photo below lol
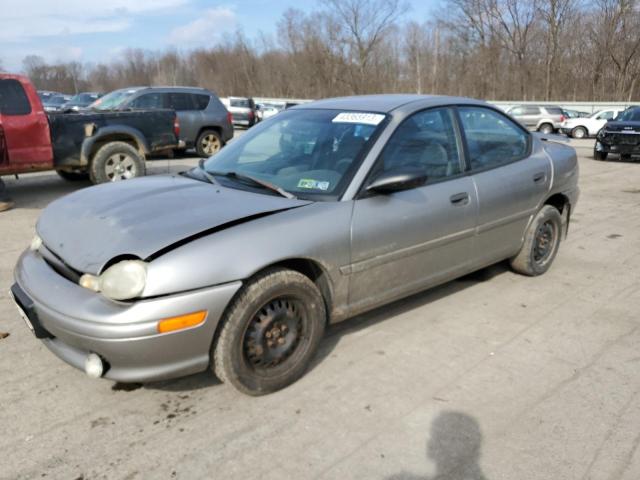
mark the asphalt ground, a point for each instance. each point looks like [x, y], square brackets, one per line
[492, 376]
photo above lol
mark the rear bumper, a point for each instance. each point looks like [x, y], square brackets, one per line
[123, 334]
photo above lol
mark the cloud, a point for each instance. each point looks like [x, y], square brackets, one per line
[211, 24]
[39, 18]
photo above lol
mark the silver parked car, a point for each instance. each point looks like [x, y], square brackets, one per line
[319, 213]
[542, 118]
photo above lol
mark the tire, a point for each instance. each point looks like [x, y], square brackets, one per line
[116, 161]
[73, 176]
[546, 128]
[209, 143]
[278, 305]
[625, 157]
[579, 132]
[541, 243]
[598, 155]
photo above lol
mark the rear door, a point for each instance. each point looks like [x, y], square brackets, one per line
[405, 241]
[26, 130]
[511, 179]
[190, 118]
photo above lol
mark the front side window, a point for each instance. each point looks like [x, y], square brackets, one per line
[180, 101]
[310, 153]
[13, 99]
[426, 142]
[607, 115]
[492, 139]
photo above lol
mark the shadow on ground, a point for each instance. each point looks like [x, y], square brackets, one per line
[453, 446]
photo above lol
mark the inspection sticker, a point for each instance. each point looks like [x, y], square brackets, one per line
[359, 117]
[311, 184]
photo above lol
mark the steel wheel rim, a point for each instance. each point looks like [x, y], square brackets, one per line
[120, 166]
[210, 144]
[544, 242]
[274, 333]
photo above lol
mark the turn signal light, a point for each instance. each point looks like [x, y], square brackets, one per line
[181, 322]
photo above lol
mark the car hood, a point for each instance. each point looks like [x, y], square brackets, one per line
[628, 127]
[142, 217]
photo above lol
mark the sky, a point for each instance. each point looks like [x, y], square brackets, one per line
[92, 31]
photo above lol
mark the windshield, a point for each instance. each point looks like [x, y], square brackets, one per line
[309, 153]
[83, 98]
[112, 100]
[630, 115]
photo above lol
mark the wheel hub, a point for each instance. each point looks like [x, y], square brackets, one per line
[543, 243]
[274, 333]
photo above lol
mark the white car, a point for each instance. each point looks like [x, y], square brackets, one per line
[588, 126]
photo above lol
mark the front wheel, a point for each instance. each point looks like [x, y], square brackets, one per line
[116, 161]
[541, 243]
[270, 332]
[599, 155]
[72, 176]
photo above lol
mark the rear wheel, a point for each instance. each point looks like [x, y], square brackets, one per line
[73, 176]
[541, 243]
[270, 332]
[579, 132]
[546, 128]
[116, 161]
[208, 143]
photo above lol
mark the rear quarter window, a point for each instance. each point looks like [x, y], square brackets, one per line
[13, 98]
[200, 101]
[554, 111]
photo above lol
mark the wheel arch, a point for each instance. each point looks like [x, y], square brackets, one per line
[91, 145]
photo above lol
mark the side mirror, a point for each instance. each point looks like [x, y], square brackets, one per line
[389, 182]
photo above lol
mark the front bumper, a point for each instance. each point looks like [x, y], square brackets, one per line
[621, 148]
[123, 334]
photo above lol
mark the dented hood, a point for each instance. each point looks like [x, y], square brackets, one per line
[141, 217]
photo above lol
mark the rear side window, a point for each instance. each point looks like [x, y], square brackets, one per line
[180, 101]
[148, 100]
[13, 99]
[492, 139]
[200, 101]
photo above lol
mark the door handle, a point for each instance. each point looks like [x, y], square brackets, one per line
[459, 198]
[539, 177]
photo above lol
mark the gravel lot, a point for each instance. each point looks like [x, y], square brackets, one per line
[495, 374]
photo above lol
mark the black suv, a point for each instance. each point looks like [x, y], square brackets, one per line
[205, 123]
[620, 135]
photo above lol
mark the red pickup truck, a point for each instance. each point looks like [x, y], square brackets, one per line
[105, 146]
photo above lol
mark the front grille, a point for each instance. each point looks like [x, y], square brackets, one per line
[57, 264]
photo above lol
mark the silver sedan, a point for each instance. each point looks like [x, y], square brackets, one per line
[317, 214]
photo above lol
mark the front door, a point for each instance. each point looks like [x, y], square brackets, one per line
[406, 241]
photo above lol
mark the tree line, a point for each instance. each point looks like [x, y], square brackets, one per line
[571, 50]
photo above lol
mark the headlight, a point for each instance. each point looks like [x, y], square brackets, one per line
[121, 281]
[36, 243]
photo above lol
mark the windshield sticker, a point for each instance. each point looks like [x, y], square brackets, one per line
[358, 117]
[311, 184]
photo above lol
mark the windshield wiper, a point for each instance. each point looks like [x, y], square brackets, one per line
[255, 181]
[210, 178]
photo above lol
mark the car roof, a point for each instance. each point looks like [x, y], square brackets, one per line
[385, 103]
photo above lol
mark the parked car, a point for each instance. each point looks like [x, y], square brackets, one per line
[54, 103]
[620, 135]
[101, 146]
[589, 126]
[264, 111]
[205, 124]
[45, 94]
[575, 113]
[81, 101]
[323, 212]
[243, 111]
[543, 118]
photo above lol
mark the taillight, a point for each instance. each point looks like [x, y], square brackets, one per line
[251, 114]
[176, 127]
[229, 117]
[562, 118]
